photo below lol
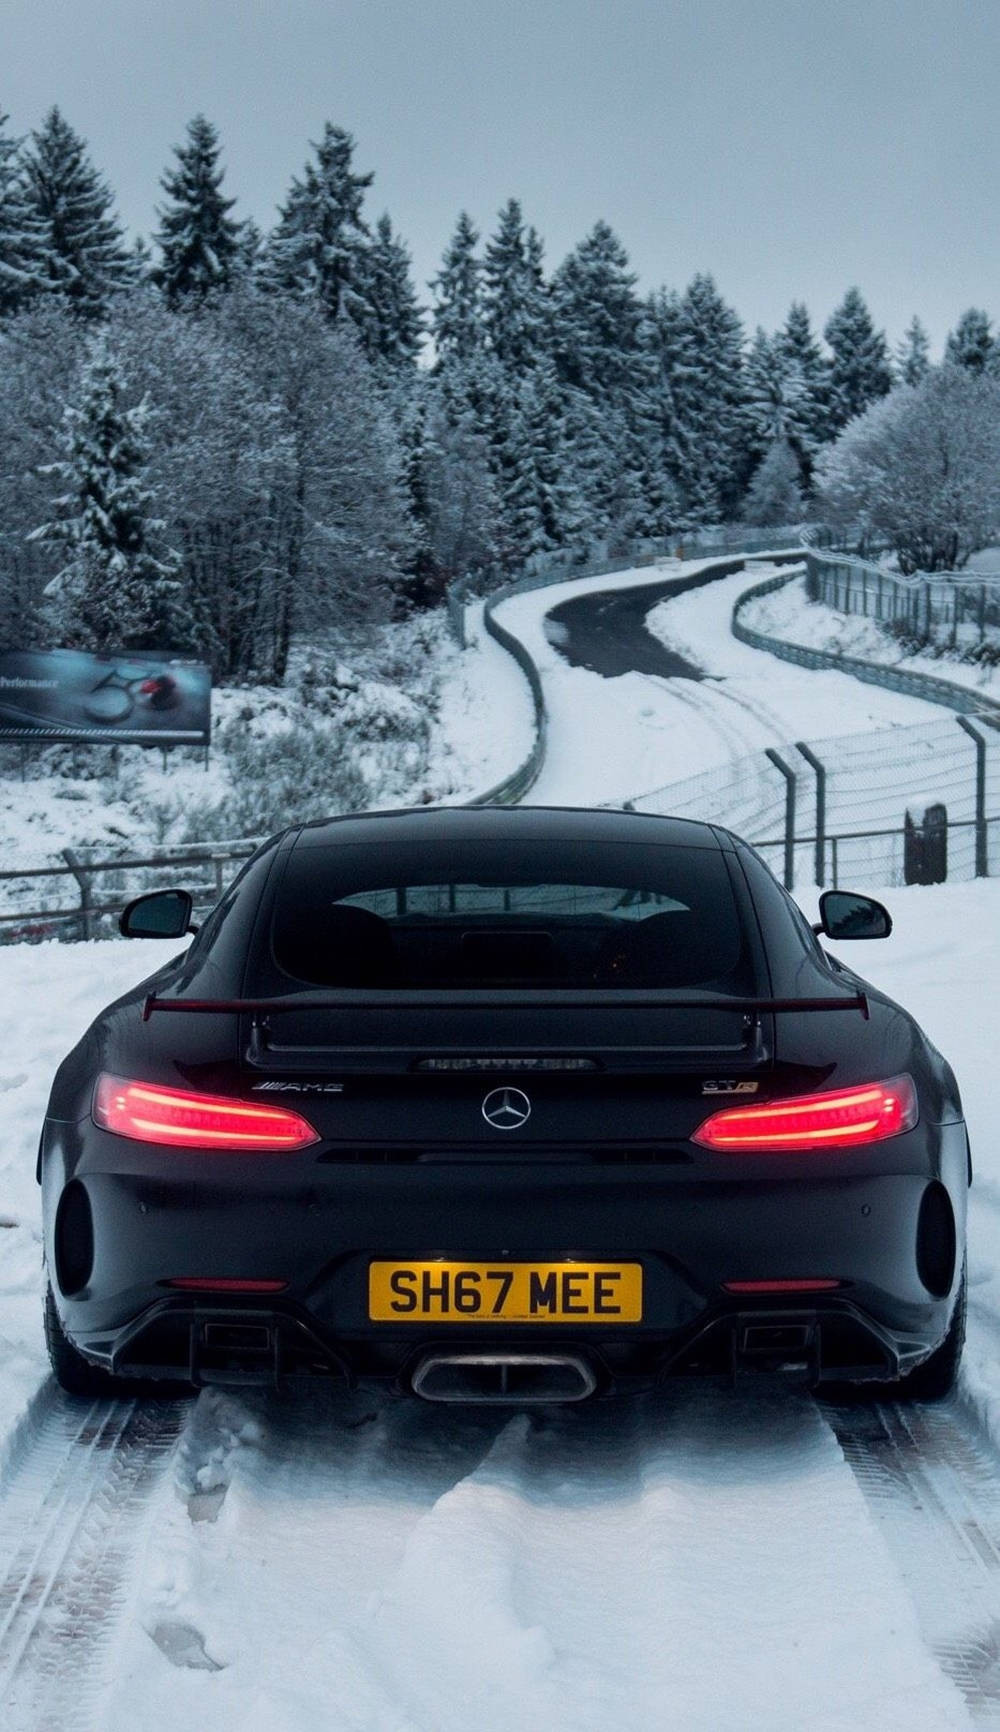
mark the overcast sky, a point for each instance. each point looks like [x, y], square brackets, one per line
[790, 147]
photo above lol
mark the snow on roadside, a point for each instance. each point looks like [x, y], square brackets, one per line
[424, 722]
[609, 739]
[788, 613]
[49, 994]
[485, 722]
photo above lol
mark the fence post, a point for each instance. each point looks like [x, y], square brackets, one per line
[820, 774]
[789, 775]
[82, 876]
[982, 851]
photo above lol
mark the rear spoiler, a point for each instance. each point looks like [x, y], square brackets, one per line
[387, 999]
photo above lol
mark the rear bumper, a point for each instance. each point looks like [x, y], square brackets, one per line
[231, 1345]
[316, 1227]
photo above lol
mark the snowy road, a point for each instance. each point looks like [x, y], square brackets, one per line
[614, 734]
[702, 1560]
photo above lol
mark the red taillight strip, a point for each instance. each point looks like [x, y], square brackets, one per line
[842, 1118]
[224, 1284]
[151, 1113]
[818, 1286]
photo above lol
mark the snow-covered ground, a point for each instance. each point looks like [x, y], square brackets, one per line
[610, 739]
[703, 1561]
[422, 720]
[789, 614]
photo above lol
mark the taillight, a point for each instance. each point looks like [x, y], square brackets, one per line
[842, 1119]
[149, 1113]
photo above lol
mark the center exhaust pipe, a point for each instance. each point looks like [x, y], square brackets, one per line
[512, 1379]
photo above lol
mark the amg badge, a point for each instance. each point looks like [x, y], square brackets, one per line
[297, 1088]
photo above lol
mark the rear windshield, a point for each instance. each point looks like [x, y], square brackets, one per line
[526, 915]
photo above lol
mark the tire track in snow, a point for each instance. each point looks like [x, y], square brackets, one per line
[933, 1483]
[74, 1482]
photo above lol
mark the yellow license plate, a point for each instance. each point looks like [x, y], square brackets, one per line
[446, 1292]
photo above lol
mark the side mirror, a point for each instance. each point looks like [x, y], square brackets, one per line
[159, 914]
[845, 914]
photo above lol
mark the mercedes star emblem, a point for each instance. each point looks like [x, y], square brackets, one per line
[506, 1109]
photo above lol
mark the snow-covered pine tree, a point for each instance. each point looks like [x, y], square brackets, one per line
[456, 317]
[249, 252]
[710, 403]
[83, 255]
[777, 403]
[20, 230]
[662, 335]
[393, 327]
[114, 590]
[972, 343]
[596, 318]
[198, 239]
[774, 496]
[860, 372]
[801, 347]
[913, 354]
[514, 292]
[596, 325]
[317, 246]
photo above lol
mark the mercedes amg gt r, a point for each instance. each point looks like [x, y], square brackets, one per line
[505, 1105]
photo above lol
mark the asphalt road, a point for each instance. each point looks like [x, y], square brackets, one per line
[606, 630]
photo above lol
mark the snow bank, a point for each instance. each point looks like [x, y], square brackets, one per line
[788, 613]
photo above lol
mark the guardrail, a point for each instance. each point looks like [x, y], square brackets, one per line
[522, 779]
[945, 778]
[85, 919]
[934, 690]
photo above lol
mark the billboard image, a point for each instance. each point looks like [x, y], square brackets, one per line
[134, 697]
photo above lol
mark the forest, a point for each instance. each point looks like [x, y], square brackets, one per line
[219, 439]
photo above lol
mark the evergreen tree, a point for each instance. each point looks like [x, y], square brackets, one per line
[83, 254]
[596, 319]
[317, 248]
[20, 231]
[249, 252]
[664, 340]
[198, 239]
[972, 343]
[112, 590]
[860, 371]
[710, 403]
[776, 397]
[913, 354]
[514, 293]
[801, 348]
[457, 310]
[774, 496]
[393, 325]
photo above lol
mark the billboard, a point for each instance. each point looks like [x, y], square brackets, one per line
[132, 697]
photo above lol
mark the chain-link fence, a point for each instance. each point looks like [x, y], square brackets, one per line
[859, 808]
[952, 611]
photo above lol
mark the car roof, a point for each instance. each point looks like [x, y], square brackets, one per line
[570, 824]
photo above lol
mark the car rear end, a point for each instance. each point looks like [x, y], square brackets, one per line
[513, 1077]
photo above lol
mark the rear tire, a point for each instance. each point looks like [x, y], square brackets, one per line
[78, 1376]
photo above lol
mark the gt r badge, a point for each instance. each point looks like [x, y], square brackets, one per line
[506, 1109]
[729, 1088]
[295, 1088]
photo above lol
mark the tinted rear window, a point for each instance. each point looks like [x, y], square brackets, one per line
[530, 915]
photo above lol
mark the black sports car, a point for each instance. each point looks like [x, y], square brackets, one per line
[505, 1105]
